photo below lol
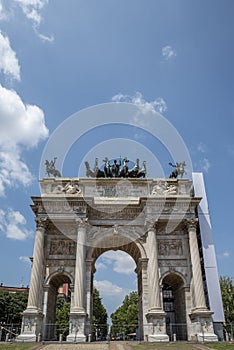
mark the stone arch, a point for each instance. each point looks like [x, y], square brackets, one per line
[55, 280]
[136, 250]
[133, 248]
[174, 304]
[59, 273]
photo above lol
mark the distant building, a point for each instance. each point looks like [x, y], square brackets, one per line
[9, 289]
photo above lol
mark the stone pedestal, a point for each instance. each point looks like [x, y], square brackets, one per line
[157, 326]
[202, 325]
[31, 326]
[77, 327]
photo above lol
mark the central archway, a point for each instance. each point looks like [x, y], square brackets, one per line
[137, 253]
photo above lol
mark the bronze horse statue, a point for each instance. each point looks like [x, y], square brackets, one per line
[179, 170]
[50, 168]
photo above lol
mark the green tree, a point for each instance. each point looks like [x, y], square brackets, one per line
[227, 291]
[12, 306]
[62, 316]
[99, 318]
[125, 318]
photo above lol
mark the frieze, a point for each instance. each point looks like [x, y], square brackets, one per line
[172, 263]
[55, 263]
[62, 229]
[107, 212]
[62, 247]
[132, 233]
[170, 247]
[64, 207]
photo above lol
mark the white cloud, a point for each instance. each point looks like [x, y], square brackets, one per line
[122, 262]
[112, 294]
[157, 105]
[201, 147]
[14, 225]
[22, 127]
[205, 165]
[226, 254]
[25, 259]
[32, 9]
[107, 288]
[168, 52]
[20, 123]
[45, 38]
[9, 64]
[100, 265]
[3, 13]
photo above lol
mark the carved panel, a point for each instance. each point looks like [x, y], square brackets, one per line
[62, 247]
[170, 247]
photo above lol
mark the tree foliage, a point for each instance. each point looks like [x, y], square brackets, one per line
[227, 290]
[62, 316]
[12, 306]
[99, 319]
[125, 318]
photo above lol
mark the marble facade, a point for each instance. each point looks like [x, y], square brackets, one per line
[153, 220]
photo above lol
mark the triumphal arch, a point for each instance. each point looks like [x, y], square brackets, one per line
[154, 220]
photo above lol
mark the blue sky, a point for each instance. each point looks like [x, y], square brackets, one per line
[58, 57]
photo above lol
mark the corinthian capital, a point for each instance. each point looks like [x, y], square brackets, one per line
[82, 222]
[41, 222]
[150, 223]
[191, 224]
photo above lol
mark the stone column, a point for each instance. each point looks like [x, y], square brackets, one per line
[198, 288]
[89, 265]
[141, 271]
[32, 316]
[37, 266]
[78, 313]
[154, 300]
[155, 315]
[201, 317]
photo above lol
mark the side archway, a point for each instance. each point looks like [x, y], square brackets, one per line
[174, 305]
[54, 282]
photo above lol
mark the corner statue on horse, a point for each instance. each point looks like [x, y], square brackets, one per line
[50, 168]
[179, 170]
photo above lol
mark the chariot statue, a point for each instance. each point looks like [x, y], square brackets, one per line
[117, 169]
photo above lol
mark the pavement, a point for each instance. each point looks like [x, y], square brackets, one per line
[101, 346]
[93, 346]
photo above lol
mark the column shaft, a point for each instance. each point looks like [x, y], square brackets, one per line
[155, 302]
[37, 266]
[80, 268]
[198, 289]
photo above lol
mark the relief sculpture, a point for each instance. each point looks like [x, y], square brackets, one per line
[170, 247]
[62, 247]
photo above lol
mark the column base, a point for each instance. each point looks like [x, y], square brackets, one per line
[31, 329]
[156, 326]
[206, 337]
[77, 327]
[202, 324]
